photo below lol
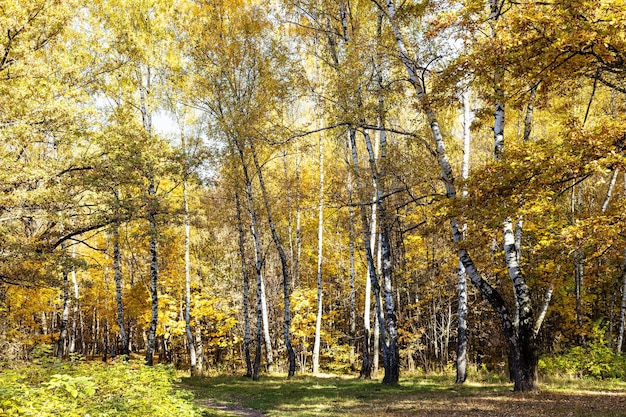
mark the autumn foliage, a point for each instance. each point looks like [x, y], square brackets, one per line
[329, 136]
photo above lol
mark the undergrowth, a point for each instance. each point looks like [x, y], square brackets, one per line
[50, 388]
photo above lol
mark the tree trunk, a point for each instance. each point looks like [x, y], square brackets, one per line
[260, 293]
[154, 274]
[461, 350]
[188, 332]
[146, 118]
[75, 309]
[498, 127]
[544, 308]
[578, 263]
[372, 280]
[199, 351]
[320, 253]
[525, 373]
[622, 311]
[284, 268]
[391, 355]
[246, 289]
[117, 272]
[376, 340]
[524, 356]
[495, 7]
[609, 191]
[353, 277]
[65, 313]
[528, 119]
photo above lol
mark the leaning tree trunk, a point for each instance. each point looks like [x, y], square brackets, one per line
[285, 269]
[524, 356]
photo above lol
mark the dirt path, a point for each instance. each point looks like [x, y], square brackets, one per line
[230, 408]
[234, 409]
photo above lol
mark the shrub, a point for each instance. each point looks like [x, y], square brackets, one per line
[50, 388]
[597, 360]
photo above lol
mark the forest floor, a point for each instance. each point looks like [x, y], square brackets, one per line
[422, 396]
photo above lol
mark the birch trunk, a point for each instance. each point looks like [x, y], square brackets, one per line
[544, 308]
[262, 319]
[622, 313]
[199, 351]
[284, 269]
[376, 340]
[524, 356]
[269, 354]
[495, 8]
[373, 233]
[609, 191]
[353, 277]
[246, 289]
[146, 118]
[371, 280]
[461, 351]
[498, 127]
[190, 340]
[461, 357]
[258, 264]
[154, 274]
[65, 313]
[391, 355]
[528, 119]
[117, 272]
[320, 248]
[578, 264]
[74, 335]
[296, 269]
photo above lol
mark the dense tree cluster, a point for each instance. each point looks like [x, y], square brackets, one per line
[326, 185]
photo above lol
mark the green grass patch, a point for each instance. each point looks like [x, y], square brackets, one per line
[433, 395]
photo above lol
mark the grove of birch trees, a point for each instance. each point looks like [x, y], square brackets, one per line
[331, 186]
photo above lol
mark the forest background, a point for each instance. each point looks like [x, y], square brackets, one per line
[333, 175]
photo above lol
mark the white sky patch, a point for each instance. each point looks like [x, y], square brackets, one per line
[164, 124]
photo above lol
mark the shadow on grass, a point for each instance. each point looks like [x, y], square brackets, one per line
[415, 396]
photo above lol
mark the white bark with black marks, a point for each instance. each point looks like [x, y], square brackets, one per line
[320, 254]
[188, 331]
[284, 269]
[372, 279]
[258, 265]
[117, 273]
[246, 288]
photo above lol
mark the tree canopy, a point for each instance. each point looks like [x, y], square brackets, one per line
[183, 177]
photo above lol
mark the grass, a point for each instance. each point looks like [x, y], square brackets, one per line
[430, 396]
